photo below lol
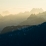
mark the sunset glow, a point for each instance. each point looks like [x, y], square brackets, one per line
[16, 6]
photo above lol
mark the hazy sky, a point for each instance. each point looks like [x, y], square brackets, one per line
[16, 6]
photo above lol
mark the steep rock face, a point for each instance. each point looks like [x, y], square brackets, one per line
[30, 36]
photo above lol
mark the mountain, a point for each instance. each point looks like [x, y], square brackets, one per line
[36, 10]
[43, 15]
[30, 36]
[14, 20]
[13, 28]
[33, 20]
[1, 16]
[11, 20]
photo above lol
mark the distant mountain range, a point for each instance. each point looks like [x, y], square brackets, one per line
[29, 36]
[14, 20]
[33, 20]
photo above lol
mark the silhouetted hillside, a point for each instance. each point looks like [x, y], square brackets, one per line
[13, 28]
[30, 36]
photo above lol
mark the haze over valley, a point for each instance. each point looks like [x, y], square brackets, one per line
[22, 22]
[13, 20]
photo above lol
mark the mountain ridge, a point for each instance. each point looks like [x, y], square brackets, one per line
[30, 36]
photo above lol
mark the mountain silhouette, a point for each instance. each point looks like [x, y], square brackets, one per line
[43, 15]
[29, 36]
[13, 28]
[33, 20]
[11, 20]
[36, 10]
[14, 20]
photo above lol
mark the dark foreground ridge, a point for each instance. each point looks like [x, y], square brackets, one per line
[30, 36]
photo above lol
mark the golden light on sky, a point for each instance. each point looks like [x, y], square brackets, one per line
[16, 6]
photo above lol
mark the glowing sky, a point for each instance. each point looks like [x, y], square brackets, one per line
[16, 6]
